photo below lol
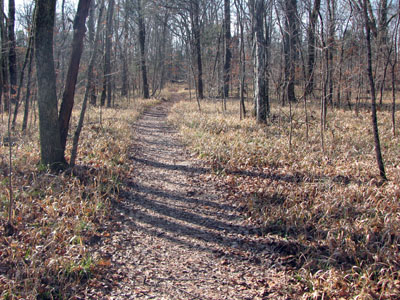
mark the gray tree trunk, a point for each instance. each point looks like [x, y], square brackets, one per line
[228, 54]
[374, 118]
[51, 151]
[73, 69]
[142, 44]
[258, 12]
[289, 46]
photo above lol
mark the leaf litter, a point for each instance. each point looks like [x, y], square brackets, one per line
[180, 236]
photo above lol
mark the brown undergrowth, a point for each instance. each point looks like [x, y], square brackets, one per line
[341, 223]
[59, 217]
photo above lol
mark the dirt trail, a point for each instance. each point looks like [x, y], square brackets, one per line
[178, 236]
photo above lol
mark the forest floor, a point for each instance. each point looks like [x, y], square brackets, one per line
[177, 235]
[167, 202]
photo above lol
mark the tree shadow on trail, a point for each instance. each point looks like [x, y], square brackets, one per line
[213, 233]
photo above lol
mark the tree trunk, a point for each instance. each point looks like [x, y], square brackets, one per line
[21, 79]
[142, 44]
[12, 55]
[311, 46]
[195, 20]
[330, 47]
[289, 42]
[91, 30]
[107, 57]
[89, 84]
[51, 151]
[258, 11]
[73, 68]
[228, 54]
[374, 119]
[28, 91]
[242, 59]
[2, 61]
[124, 54]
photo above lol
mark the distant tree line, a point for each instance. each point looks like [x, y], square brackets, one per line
[273, 52]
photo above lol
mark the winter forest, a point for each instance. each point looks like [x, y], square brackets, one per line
[199, 149]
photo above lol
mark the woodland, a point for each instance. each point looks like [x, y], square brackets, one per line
[199, 149]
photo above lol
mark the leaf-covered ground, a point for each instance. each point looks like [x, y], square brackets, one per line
[326, 202]
[61, 217]
[142, 217]
[179, 236]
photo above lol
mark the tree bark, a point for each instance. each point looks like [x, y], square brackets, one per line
[330, 47]
[228, 54]
[242, 58]
[195, 20]
[3, 61]
[21, 79]
[289, 42]
[258, 11]
[374, 118]
[124, 54]
[12, 55]
[73, 69]
[91, 30]
[311, 46]
[142, 44]
[107, 86]
[89, 85]
[51, 151]
[28, 91]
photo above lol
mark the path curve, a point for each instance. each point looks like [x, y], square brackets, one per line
[179, 238]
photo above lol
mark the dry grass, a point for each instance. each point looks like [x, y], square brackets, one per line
[342, 223]
[58, 217]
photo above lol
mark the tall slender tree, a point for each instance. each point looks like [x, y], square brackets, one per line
[142, 44]
[73, 68]
[228, 53]
[257, 10]
[196, 38]
[290, 46]
[374, 119]
[12, 54]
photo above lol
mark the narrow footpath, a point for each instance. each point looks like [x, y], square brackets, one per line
[178, 237]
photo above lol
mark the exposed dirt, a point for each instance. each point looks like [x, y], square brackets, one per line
[177, 236]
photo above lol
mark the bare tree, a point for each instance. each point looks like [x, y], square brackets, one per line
[12, 55]
[51, 150]
[257, 10]
[142, 44]
[289, 46]
[228, 54]
[107, 85]
[367, 25]
[195, 24]
[72, 74]
[89, 85]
